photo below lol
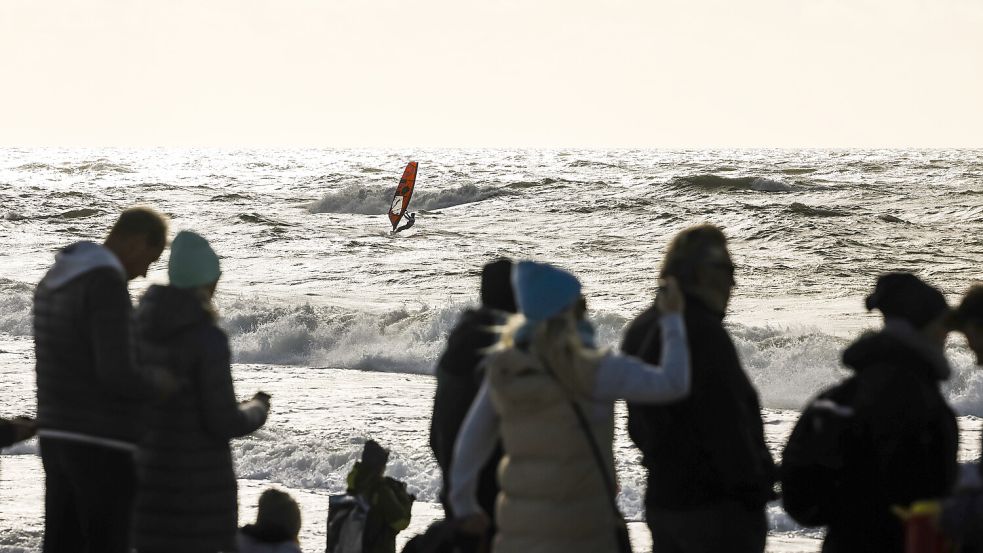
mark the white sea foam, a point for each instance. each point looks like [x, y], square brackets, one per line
[401, 340]
[787, 364]
[374, 200]
[763, 184]
[16, 299]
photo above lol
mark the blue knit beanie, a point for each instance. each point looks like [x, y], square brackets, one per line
[193, 263]
[543, 291]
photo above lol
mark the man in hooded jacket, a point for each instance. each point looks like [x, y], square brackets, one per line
[90, 390]
[903, 443]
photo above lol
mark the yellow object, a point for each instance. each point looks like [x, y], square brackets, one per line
[927, 507]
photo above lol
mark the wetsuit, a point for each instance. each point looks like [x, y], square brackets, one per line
[410, 220]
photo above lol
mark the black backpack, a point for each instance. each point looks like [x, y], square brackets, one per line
[347, 517]
[813, 463]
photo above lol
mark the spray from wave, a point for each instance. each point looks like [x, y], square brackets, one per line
[375, 200]
[787, 364]
[97, 167]
[16, 300]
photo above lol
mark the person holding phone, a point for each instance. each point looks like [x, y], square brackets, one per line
[187, 498]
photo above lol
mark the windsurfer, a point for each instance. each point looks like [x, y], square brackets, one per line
[410, 220]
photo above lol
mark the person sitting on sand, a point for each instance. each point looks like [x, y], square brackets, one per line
[277, 525]
[410, 221]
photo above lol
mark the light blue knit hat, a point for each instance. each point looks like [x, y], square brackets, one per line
[193, 263]
[543, 291]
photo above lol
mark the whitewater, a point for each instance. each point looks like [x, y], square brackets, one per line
[342, 322]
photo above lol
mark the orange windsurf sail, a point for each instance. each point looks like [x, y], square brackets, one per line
[401, 199]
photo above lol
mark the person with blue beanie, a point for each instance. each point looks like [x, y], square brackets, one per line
[549, 397]
[188, 498]
[193, 263]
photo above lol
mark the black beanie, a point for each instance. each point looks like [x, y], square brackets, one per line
[970, 310]
[496, 286]
[374, 455]
[905, 296]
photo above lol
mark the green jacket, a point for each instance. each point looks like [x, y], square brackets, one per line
[389, 507]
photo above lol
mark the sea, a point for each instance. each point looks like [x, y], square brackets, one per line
[343, 322]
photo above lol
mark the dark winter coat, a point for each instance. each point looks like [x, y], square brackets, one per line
[187, 500]
[88, 383]
[709, 447]
[459, 377]
[904, 444]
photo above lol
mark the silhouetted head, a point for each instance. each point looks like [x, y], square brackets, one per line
[905, 296]
[496, 286]
[699, 260]
[137, 239]
[968, 319]
[374, 456]
[278, 515]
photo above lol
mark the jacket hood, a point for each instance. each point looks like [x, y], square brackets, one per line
[165, 311]
[475, 331]
[362, 479]
[77, 259]
[475, 324]
[899, 344]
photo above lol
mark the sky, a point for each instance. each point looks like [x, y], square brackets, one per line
[492, 73]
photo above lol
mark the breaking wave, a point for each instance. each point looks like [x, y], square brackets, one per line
[716, 182]
[375, 200]
[16, 300]
[811, 211]
[97, 166]
[788, 364]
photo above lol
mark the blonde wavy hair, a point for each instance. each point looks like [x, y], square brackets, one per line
[206, 295]
[558, 346]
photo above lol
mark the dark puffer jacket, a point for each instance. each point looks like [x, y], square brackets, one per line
[187, 500]
[709, 447]
[905, 441]
[87, 380]
[458, 380]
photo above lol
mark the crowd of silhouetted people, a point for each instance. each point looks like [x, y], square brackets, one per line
[136, 408]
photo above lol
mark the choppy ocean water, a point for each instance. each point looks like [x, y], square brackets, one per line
[313, 282]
